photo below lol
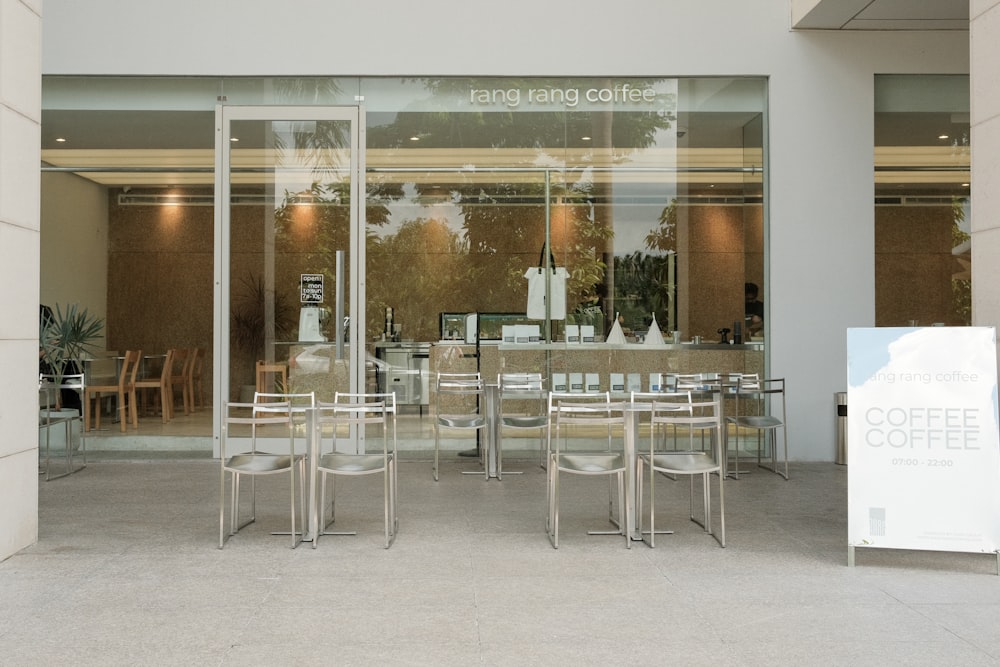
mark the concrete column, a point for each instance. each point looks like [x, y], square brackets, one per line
[20, 121]
[984, 38]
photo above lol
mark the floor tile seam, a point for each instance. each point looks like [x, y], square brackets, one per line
[921, 608]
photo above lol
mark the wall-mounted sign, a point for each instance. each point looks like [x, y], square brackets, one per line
[923, 439]
[311, 288]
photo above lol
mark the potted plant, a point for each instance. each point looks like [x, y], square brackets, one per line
[65, 338]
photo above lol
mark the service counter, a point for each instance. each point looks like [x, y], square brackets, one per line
[408, 368]
[557, 360]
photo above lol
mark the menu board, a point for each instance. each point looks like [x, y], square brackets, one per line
[923, 439]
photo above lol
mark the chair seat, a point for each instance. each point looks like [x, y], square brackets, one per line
[756, 421]
[462, 421]
[683, 462]
[260, 463]
[525, 421]
[591, 463]
[352, 463]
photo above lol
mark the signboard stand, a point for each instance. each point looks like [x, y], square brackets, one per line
[923, 440]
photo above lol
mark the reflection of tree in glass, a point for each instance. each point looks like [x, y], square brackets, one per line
[504, 219]
[961, 287]
[423, 269]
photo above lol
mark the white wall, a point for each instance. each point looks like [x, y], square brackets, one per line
[20, 115]
[74, 243]
[821, 111]
[985, 50]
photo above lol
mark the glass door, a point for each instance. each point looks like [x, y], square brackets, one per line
[289, 251]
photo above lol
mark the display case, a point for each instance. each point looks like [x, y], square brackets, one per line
[468, 327]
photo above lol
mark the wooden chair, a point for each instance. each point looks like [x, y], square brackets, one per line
[196, 387]
[180, 376]
[278, 370]
[125, 390]
[146, 386]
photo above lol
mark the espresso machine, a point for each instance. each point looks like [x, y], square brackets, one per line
[311, 320]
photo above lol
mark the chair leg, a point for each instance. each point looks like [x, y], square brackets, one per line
[386, 487]
[652, 506]
[553, 518]
[222, 507]
[437, 446]
[623, 510]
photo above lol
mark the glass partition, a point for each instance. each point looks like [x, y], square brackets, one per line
[923, 253]
[648, 192]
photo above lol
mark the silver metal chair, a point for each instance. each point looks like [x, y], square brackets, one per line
[353, 412]
[577, 461]
[522, 407]
[665, 397]
[703, 416]
[769, 396]
[555, 397]
[51, 386]
[458, 401]
[239, 459]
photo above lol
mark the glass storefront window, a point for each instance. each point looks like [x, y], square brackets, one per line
[648, 192]
[922, 249]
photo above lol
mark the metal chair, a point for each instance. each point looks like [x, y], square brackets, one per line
[458, 399]
[703, 416]
[770, 396]
[51, 386]
[354, 412]
[522, 407]
[576, 461]
[252, 462]
[681, 399]
[555, 397]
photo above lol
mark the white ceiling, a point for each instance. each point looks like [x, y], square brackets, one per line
[880, 14]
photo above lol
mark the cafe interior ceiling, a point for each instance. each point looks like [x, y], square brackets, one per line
[917, 153]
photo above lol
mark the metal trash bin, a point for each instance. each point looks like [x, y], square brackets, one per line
[841, 401]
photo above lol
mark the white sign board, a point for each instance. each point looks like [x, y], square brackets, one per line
[923, 439]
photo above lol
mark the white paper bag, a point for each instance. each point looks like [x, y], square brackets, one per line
[536, 276]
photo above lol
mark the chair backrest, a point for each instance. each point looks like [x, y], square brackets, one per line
[180, 361]
[359, 410]
[255, 415]
[520, 382]
[76, 381]
[660, 396]
[166, 370]
[130, 367]
[458, 392]
[459, 383]
[198, 361]
[768, 392]
[696, 415]
[576, 397]
[522, 393]
[743, 381]
[570, 412]
[299, 402]
[277, 369]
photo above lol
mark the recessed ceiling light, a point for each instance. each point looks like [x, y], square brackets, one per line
[60, 140]
[234, 139]
[414, 138]
[965, 185]
[584, 138]
[943, 136]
